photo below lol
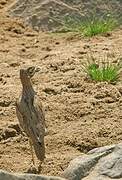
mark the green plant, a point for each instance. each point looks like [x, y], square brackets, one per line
[98, 26]
[104, 71]
[90, 26]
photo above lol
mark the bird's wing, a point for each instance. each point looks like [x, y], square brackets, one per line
[19, 115]
[23, 120]
[41, 114]
[27, 124]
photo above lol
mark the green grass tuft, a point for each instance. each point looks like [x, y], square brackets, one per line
[90, 27]
[105, 71]
[98, 26]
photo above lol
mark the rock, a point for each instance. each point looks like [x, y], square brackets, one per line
[47, 19]
[9, 132]
[55, 14]
[32, 170]
[99, 164]
[16, 127]
[10, 176]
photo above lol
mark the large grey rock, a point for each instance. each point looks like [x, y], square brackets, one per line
[9, 176]
[99, 164]
[53, 14]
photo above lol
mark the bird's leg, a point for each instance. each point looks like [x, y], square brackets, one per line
[31, 146]
[40, 167]
[32, 169]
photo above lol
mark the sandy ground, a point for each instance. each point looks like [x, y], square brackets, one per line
[80, 114]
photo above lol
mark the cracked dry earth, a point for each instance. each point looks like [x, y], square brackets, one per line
[80, 114]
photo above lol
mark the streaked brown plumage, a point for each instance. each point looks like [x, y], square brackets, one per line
[30, 113]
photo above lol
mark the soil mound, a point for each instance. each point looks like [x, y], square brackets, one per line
[50, 14]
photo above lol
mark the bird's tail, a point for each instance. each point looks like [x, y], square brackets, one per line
[39, 148]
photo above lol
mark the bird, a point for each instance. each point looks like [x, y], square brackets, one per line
[30, 114]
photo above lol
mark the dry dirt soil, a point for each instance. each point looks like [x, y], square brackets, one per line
[80, 114]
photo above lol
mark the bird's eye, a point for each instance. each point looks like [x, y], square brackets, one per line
[31, 71]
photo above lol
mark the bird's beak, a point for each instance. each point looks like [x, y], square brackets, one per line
[37, 69]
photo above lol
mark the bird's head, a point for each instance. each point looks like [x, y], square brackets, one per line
[32, 70]
[29, 72]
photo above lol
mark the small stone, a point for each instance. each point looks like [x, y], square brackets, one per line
[15, 126]
[32, 170]
[9, 132]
